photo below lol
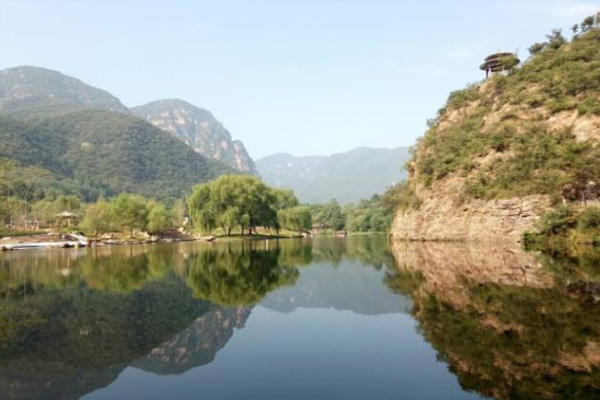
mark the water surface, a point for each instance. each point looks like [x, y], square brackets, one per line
[325, 318]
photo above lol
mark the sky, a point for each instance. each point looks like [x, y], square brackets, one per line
[304, 77]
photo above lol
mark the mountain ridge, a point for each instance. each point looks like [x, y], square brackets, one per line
[28, 92]
[347, 176]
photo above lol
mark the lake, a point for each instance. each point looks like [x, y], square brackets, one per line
[327, 318]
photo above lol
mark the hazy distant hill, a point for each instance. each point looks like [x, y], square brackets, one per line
[348, 177]
[198, 129]
[29, 87]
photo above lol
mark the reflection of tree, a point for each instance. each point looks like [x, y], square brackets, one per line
[572, 264]
[370, 249]
[233, 275]
[123, 272]
[504, 336]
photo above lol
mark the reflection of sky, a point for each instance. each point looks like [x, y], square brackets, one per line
[347, 286]
[307, 354]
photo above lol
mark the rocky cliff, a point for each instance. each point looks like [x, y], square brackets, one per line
[198, 129]
[502, 152]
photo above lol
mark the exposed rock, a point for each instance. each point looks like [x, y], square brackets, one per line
[447, 215]
[198, 129]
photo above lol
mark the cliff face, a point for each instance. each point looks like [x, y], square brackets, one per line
[501, 153]
[198, 129]
[444, 215]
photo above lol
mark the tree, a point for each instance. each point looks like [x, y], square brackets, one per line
[99, 218]
[201, 210]
[159, 218]
[130, 212]
[228, 219]
[556, 39]
[536, 48]
[284, 198]
[329, 216]
[233, 200]
[295, 218]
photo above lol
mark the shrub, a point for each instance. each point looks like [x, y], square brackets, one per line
[589, 219]
[589, 106]
[558, 221]
[402, 197]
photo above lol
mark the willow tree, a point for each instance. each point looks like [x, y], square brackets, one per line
[233, 200]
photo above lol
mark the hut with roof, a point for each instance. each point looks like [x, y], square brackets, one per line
[66, 219]
[499, 63]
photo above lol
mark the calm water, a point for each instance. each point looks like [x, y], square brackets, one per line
[330, 318]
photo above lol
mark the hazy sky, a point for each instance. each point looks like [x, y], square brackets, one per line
[301, 77]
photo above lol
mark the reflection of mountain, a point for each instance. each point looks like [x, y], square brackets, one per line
[507, 328]
[82, 338]
[70, 322]
[52, 380]
[349, 286]
[197, 345]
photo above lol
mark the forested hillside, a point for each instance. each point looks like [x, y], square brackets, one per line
[107, 152]
[90, 144]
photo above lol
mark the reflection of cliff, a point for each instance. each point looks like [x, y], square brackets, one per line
[507, 328]
[197, 345]
[450, 268]
[349, 286]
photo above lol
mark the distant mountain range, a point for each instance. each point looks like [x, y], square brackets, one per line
[347, 177]
[90, 142]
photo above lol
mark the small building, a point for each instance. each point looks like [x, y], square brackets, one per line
[499, 63]
[66, 219]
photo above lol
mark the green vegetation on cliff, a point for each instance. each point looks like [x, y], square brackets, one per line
[514, 135]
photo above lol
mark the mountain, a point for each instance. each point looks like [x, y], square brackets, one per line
[503, 152]
[106, 150]
[198, 129]
[88, 143]
[347, 177]
[30, 87]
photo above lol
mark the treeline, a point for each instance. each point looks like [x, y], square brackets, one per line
[241, 203]
[230, 204]
[369, 215]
